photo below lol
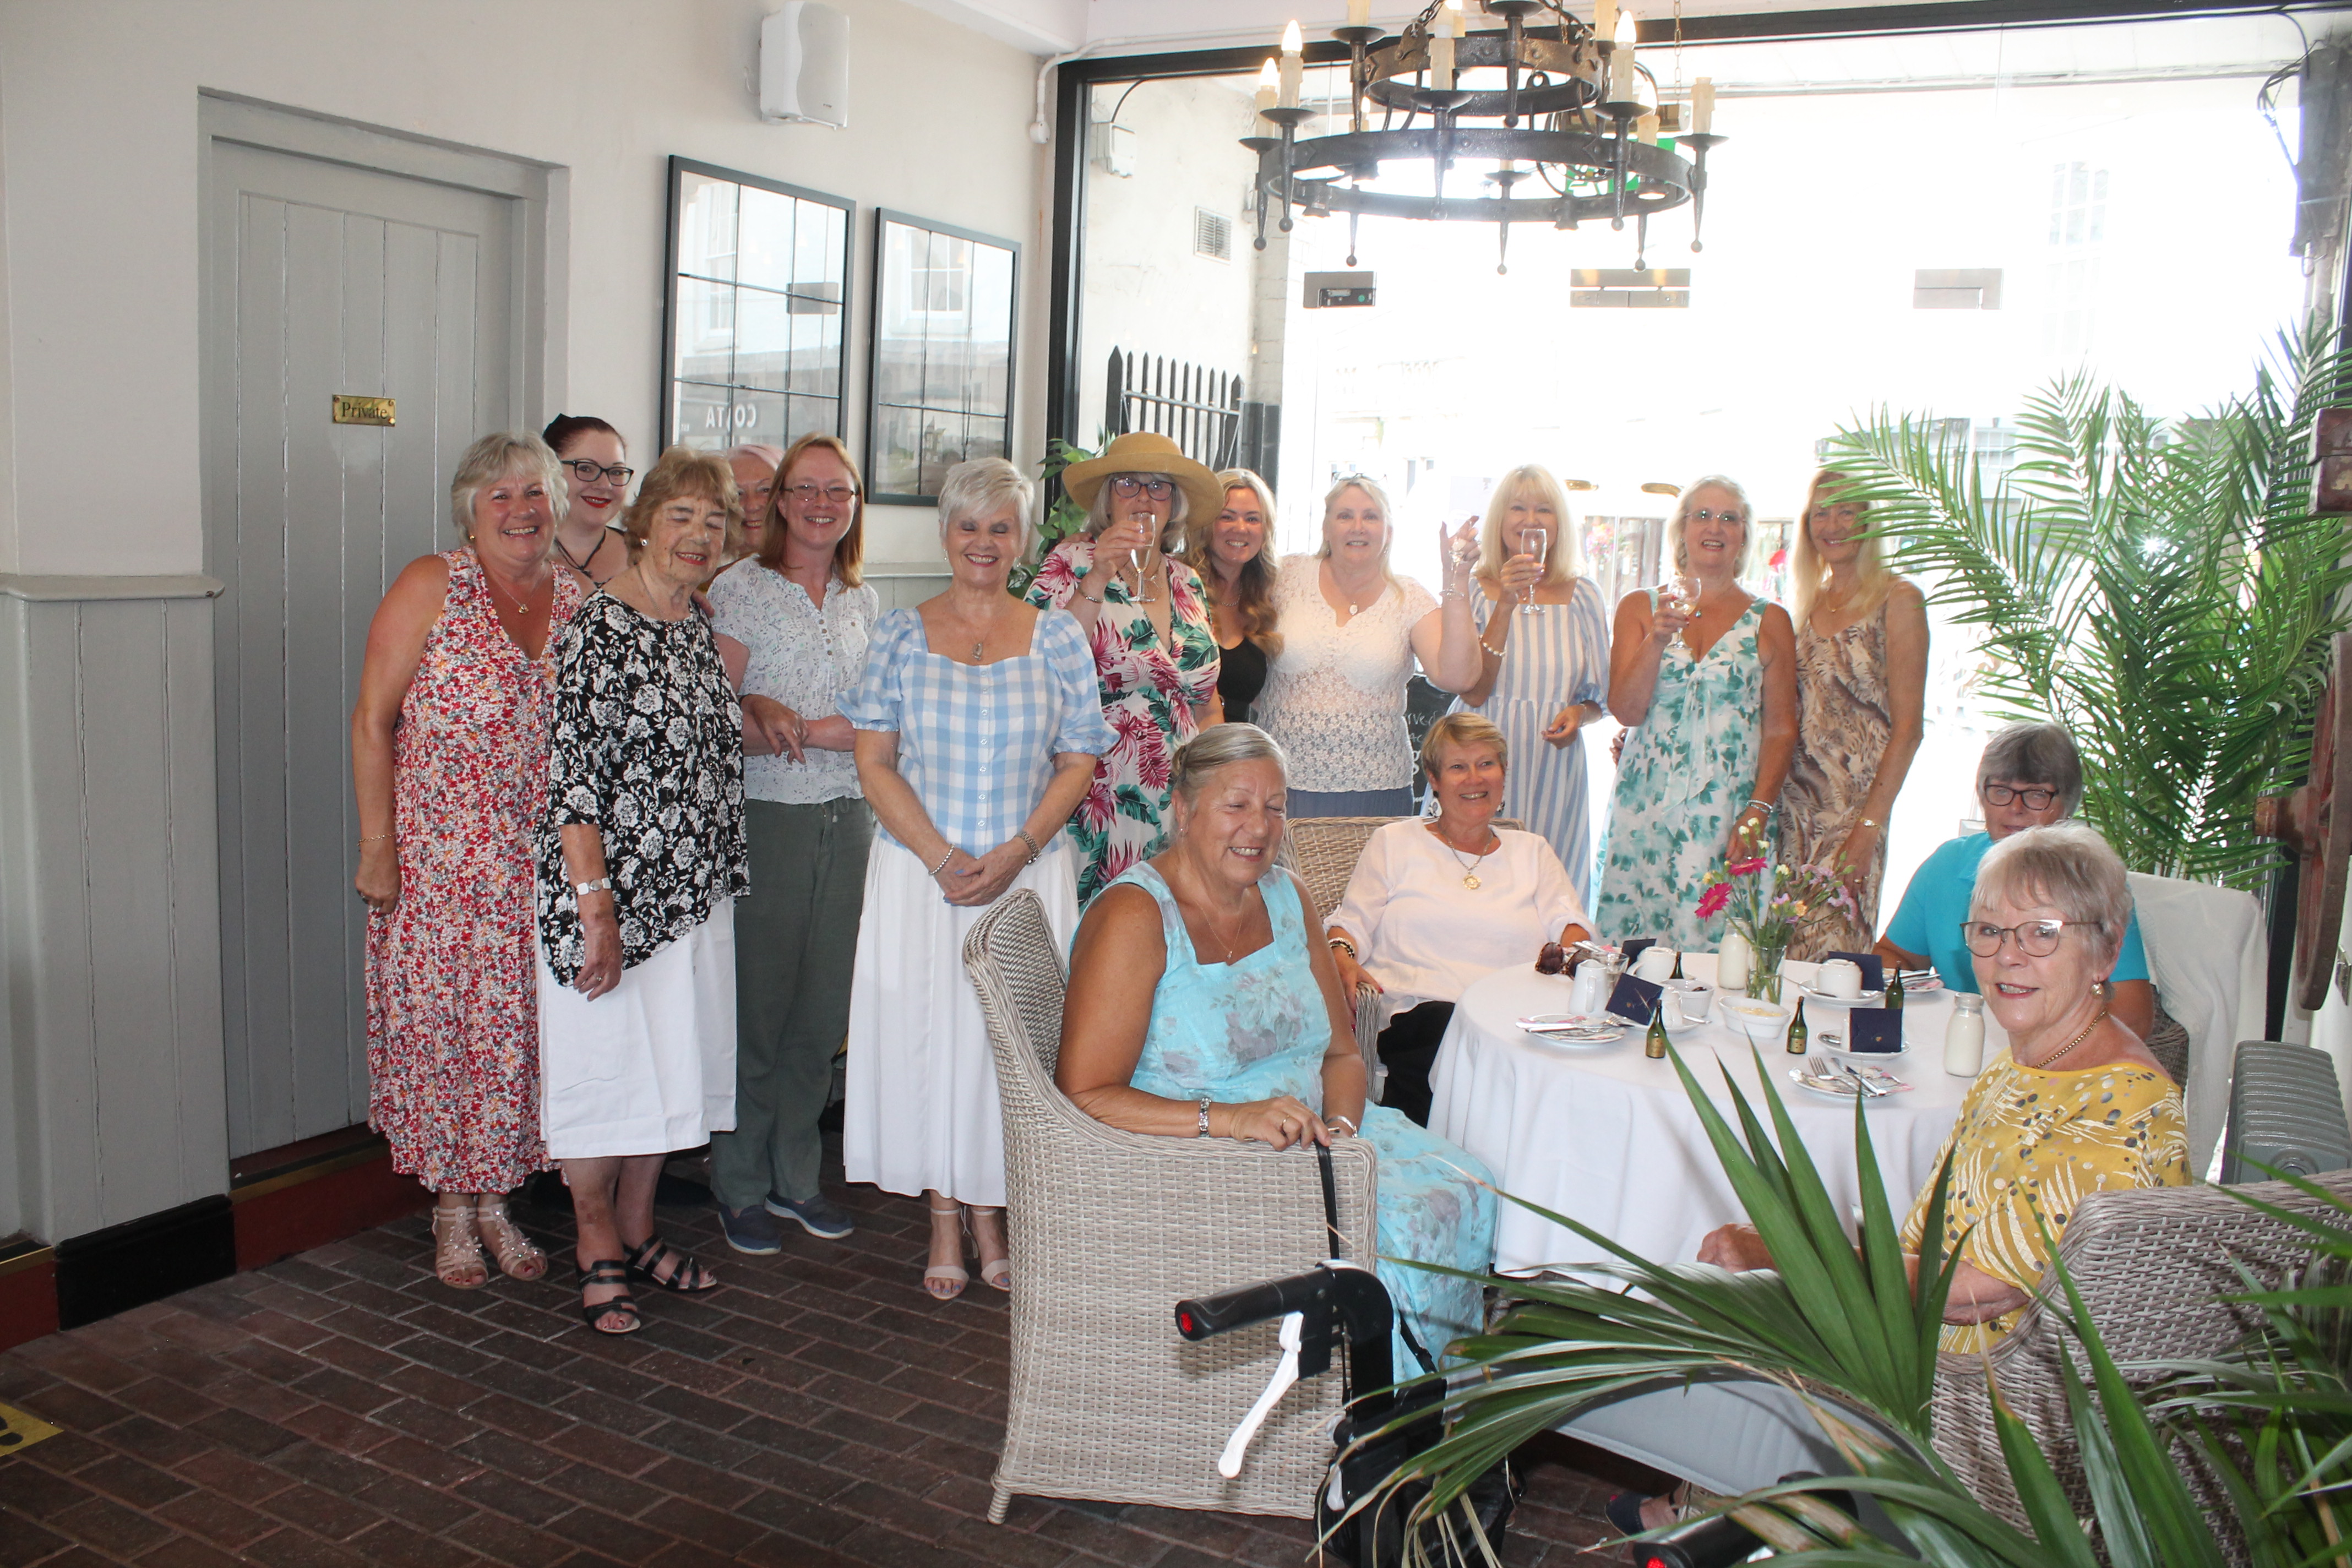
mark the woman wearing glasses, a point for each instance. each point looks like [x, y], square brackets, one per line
[793, 624]
[1702, 673]
[1146, 619]
[596, 474]
[2030, 775]
[1861, 691]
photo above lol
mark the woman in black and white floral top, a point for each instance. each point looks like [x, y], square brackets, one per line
[641, 859]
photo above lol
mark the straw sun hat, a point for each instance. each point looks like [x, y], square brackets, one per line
[1147, 452]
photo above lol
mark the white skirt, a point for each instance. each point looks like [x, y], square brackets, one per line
[649, 1065]
[920, 1108]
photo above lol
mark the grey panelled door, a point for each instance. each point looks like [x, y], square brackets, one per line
[340, 280]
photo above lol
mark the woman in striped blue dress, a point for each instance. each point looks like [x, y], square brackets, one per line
[1544, 633]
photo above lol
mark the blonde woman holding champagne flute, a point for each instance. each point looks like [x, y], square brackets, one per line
[1702, 675]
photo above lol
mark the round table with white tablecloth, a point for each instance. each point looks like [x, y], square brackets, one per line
[1607, 1137]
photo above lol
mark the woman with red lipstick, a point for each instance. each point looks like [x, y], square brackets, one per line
[596, 474]
[449, 748]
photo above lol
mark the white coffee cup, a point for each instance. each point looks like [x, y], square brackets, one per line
[1840, 977]
[1655, 962]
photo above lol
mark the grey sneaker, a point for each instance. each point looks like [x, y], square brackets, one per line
[819, 1215]
[751, 1231]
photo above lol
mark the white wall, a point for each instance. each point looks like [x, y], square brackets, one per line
[98, 197]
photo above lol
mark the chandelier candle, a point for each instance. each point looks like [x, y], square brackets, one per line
[1605, 18]
[1359, 13]
[1293, 61]
[1441, 53]
[1646, 128]
[1621, 60]
[1269, 84]
[1702, 105]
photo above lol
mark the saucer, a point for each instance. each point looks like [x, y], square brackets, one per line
[1864, 999]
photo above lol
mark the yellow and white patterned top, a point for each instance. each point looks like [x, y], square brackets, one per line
[2028, 1140]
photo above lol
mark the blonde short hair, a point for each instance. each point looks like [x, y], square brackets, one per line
[503, 454]
[684, 472]
[979, 487]
[2067, 866]
[1380, 499]
[1565, 563]
[1462, 729]
[1676, 524]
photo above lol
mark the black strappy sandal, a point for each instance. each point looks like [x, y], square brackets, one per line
[654, 1250]
[609, 1271]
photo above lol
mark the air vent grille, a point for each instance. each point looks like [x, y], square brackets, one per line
[1213, 234]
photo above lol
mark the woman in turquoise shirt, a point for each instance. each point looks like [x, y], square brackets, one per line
[2030, 775]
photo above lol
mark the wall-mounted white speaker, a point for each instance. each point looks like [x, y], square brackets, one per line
[805, 65]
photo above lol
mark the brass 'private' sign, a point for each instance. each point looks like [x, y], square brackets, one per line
[353, 410]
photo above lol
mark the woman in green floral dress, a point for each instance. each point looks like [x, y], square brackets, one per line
[1148, 619]
[1703, 676]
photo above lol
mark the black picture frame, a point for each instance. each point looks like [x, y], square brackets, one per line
[754, 409]
[940, 386]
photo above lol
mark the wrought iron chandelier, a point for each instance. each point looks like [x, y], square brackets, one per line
[1569, 123]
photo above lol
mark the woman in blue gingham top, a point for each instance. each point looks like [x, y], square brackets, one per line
[978, 722]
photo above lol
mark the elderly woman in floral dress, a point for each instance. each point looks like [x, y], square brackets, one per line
[1148, 621]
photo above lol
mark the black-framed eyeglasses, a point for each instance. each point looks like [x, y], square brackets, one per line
[806, 494]
[2036, 939]
[2035, 798]
[1135, 484]
[589, 473]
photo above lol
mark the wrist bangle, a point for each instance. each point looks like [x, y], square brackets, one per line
[1339, 942]
[1353, 1131]
[1089, 598]
[1763, 806]
[600, 885]
[374, 837]
[1204, 1116]
[1869, 824]
[943, 861]
[1023, 834]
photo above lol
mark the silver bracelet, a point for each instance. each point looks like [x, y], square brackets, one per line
[943, 861]
[1353, 1131]
[1023, 834]
[1763, 806]
[600, 885]
[1204, 1116]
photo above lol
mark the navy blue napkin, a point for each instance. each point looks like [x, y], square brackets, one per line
[1633, 950]
[1874, 1029]
[1635, 1000]
[1872, 967]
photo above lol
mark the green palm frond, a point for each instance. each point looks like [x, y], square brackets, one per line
[2162, 588]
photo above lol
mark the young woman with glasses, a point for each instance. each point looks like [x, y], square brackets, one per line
[596, 479]
[2030, 776]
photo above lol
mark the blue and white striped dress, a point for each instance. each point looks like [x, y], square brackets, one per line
[1558, 654]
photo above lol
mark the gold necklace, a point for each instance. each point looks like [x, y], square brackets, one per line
[1238, 926]
[2043, 1064]
[1469, 870]
[522, 604]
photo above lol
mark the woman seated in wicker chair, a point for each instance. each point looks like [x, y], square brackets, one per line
[1436, 902]
[1202, 1005]
[2076, 1105]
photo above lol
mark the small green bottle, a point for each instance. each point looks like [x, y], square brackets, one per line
[1653, 1044]
[1677, 974]
[1895, 991]
[1801, 1034]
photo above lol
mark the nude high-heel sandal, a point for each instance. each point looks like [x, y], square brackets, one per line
[945, 1281]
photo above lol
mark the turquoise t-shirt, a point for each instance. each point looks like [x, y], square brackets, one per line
[1935, 905]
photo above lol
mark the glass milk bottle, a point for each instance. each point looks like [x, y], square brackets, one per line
[1964, 1036]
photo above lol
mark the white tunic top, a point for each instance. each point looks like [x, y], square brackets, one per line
[1334, 697]
[1425, 936]
[805, 657]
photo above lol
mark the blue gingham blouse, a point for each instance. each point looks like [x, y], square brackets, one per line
[976, 742]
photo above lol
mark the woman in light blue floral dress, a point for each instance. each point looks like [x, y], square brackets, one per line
[1705, 679]
[1202, 1005]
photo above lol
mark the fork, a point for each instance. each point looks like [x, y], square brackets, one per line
[1823, 1067]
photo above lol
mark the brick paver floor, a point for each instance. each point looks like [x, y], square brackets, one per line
[343, 1407]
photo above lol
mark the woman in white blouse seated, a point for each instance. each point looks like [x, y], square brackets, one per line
[1435, 904]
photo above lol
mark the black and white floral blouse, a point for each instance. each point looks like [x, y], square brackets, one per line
[647, 746]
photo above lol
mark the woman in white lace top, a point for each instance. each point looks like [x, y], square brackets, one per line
[1351, 632]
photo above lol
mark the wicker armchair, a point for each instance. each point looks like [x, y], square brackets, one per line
[2149, 1263]
[1108, 1230]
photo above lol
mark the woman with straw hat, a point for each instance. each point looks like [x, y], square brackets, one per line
[1148, 621]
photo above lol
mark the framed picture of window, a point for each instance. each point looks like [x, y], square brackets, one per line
[755, 343]
[941, 388]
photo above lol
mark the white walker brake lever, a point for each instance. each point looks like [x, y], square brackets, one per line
[1286, 1372]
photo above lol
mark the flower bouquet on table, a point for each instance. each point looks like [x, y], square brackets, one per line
[1765, 908]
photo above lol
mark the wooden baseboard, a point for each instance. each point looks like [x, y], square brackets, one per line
[342, 1186]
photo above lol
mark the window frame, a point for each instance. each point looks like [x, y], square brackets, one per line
[880, 311]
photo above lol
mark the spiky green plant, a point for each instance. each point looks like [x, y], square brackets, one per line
[2162, 588]
[1842, 1325]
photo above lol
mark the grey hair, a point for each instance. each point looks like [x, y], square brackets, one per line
[1681, 520]
[979, 489]
[1218, 747]
[771, 456]
[501, 456]
[2036, 754]
[2066, 865]
[1171, 536]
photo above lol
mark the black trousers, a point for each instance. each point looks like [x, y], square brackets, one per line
[1408, 1048]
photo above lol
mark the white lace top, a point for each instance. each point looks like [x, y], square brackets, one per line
[806, 657]
[1334, 697]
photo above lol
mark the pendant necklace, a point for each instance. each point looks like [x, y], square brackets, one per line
[1470, 868]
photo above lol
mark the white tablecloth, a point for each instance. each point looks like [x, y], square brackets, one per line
[1606, 1136]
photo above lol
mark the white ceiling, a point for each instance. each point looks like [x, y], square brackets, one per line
[1118, 27]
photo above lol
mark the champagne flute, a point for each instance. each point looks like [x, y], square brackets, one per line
[1537, 542]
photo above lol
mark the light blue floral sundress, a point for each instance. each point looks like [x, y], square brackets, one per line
[1256, 1027]
[1686, 773]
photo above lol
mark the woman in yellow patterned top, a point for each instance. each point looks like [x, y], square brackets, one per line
[2076, 1106]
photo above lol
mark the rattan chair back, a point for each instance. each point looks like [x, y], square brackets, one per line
[1323, 851]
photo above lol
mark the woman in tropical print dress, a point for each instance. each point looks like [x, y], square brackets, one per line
[1145, 614]
[1705, 679]
[449, 748]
